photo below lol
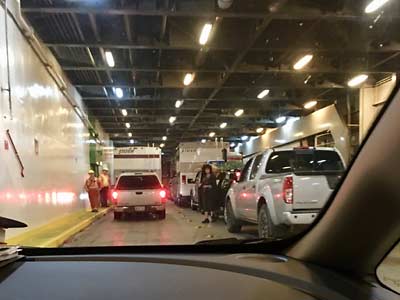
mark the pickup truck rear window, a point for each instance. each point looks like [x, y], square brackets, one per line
[138, 183]
[304, 161]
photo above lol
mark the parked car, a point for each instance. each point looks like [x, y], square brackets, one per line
[139, 193]
[282, 189]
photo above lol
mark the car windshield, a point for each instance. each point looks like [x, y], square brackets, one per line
[244, 115]
[146, 182]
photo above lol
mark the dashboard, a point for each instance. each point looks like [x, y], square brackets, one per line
[180, 276]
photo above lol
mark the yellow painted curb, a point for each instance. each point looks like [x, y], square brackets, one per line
[61, 238]
[27, 238]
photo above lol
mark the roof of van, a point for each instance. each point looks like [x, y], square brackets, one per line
[138, 174]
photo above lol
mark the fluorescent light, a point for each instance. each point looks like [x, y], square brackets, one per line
[232, 145]
[188, 78]
[172, 119]
[164, 138]
[119, 92]
[374, 5]
[310, 104]
[357, 80]
[178, 103]
[162, 145]
[211, 134]
[244, 138]
[128, 125]
[263, 94]
[280, 119]
[78, 111]
[203, 141]
[239, 112]
[302, 62]
[124, 112]
[259, 130]
[205, 33]
[131, 141]
[223, 125]
[110, 59]
[130, 134]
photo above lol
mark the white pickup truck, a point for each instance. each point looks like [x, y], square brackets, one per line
[280, 189]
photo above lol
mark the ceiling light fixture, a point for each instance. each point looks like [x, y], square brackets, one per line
[164, 138]
[118, 92]
[232, 145]
[374, 5]
[178, 103]
[259, 130]
[302, 62]
[310, 104]
[211, 134]
[203, 141]
[239, 112]
[124, 112]
[162, 145]
[127, 125]
[172, 119]
[130, 134]
[263, 94]
[223, 125]
[244, 138]
[280, 119]
[205, 33]
[357, 80]
[131, 141]
[188, 79]
[110, 59]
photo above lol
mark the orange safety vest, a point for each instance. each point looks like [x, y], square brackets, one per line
[91, 184]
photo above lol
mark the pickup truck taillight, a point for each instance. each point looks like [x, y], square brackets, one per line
[287, 193]
[114, 196]
[163, 195]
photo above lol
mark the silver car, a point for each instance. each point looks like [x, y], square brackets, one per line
[282, 189]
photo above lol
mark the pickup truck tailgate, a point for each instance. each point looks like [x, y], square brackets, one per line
[139, 197]
[312, 191]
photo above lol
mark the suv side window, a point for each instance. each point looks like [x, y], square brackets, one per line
[245, 172]
[279, 162]
[256, 166]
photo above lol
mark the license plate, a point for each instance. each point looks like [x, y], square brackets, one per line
[140, 208]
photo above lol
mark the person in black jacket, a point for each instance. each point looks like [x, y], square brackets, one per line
[209, 193]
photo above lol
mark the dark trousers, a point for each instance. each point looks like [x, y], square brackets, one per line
[104, 197]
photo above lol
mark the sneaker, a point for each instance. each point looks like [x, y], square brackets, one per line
[205, 221]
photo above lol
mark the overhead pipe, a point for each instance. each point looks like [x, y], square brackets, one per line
[37, 48]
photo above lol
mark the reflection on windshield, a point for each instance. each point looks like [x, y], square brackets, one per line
[190, 123]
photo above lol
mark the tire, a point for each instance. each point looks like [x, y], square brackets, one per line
[267, 229]
[192, 205]
[117, 215]
[161, 215]
[232, 224]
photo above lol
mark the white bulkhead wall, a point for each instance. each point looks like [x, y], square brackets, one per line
[54, 169]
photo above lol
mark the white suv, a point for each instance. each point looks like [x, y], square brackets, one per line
[139, 193]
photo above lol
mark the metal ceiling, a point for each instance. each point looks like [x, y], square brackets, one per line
[253, 46]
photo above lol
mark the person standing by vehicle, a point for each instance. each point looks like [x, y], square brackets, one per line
[92, 188]
[209, 193]
[104, 181]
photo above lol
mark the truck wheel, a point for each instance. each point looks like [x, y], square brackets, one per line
[232, 224]
[117, 215]
[267, 229]
[192, 205]
[161, 215]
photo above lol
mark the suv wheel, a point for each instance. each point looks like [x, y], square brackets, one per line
[267, 229]
[233, 225]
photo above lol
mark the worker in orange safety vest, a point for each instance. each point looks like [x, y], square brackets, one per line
[92, 187]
